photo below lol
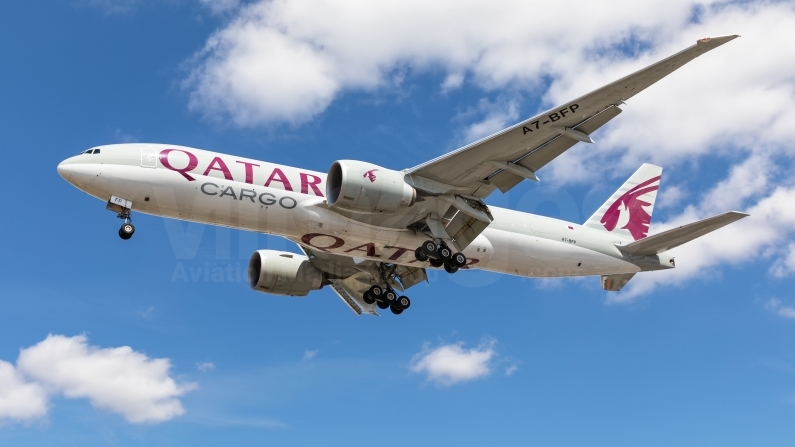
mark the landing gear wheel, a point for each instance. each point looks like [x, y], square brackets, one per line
[375, 292]
[126, 231]
[449, 268]
[367, 298]
[404, 302]
[389, 296]
[397, 310]
[459, 260]
[435, 262]
[381, 304]
[429, 247]
[444, 254]
[420, 255]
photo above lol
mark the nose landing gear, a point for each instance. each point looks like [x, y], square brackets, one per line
[439, 255]
[127, 229]
[123, 208]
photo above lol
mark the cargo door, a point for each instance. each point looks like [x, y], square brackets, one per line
[148, 157]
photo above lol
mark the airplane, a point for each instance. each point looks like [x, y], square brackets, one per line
[370, 232]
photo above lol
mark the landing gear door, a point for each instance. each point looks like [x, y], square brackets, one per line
[148, 157]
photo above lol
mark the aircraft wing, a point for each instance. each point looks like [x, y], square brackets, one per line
[504, 159]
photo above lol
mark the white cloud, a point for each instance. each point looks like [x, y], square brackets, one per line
[118, 380]
[285, 61]
[147, 313]
[124, 137]
[493, 117]
[309, 355]
[220, 6]
[20, 400]
[732, 101]
[450, 364]
[774, 305]
[785, 265]
[670, 196]
[772, 219]
[509, 371]
[113, 6]
[453, 81]
[745, 180]
[205, 366]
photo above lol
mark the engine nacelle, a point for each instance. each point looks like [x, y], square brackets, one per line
[282, 273]
[366, 188]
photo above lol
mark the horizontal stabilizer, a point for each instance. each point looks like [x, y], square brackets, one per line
[614, 283]
[667, 240]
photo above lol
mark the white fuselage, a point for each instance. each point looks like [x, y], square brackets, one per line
[219, 189]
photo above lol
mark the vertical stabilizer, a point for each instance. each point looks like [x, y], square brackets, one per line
[627, 213]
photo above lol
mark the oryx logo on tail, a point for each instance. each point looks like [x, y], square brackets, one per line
[370, 175]
[627, 213]
[630, 210]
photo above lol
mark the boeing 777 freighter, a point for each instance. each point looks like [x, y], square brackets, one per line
[370, 232]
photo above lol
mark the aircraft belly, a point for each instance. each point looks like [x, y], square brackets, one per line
[524, 255]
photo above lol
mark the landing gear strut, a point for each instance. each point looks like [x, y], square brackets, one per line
[439, 255]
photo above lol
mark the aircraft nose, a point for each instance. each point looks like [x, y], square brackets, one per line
[64, 169]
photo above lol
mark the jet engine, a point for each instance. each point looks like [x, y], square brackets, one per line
[366, 188]
[282, 273]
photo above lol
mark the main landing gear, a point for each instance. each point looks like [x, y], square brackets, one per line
[386, 298]
[439, 255]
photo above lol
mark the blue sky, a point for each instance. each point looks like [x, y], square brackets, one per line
[698, 356]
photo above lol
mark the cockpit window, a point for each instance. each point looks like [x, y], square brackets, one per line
[96, 151]
[87, 152]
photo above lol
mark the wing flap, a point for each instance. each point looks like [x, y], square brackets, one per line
[505, 180]
[463, 229]
[350, 290]
[550, 150]
[614, 283]
[667, 240]
[539, 158]
[410, 276]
